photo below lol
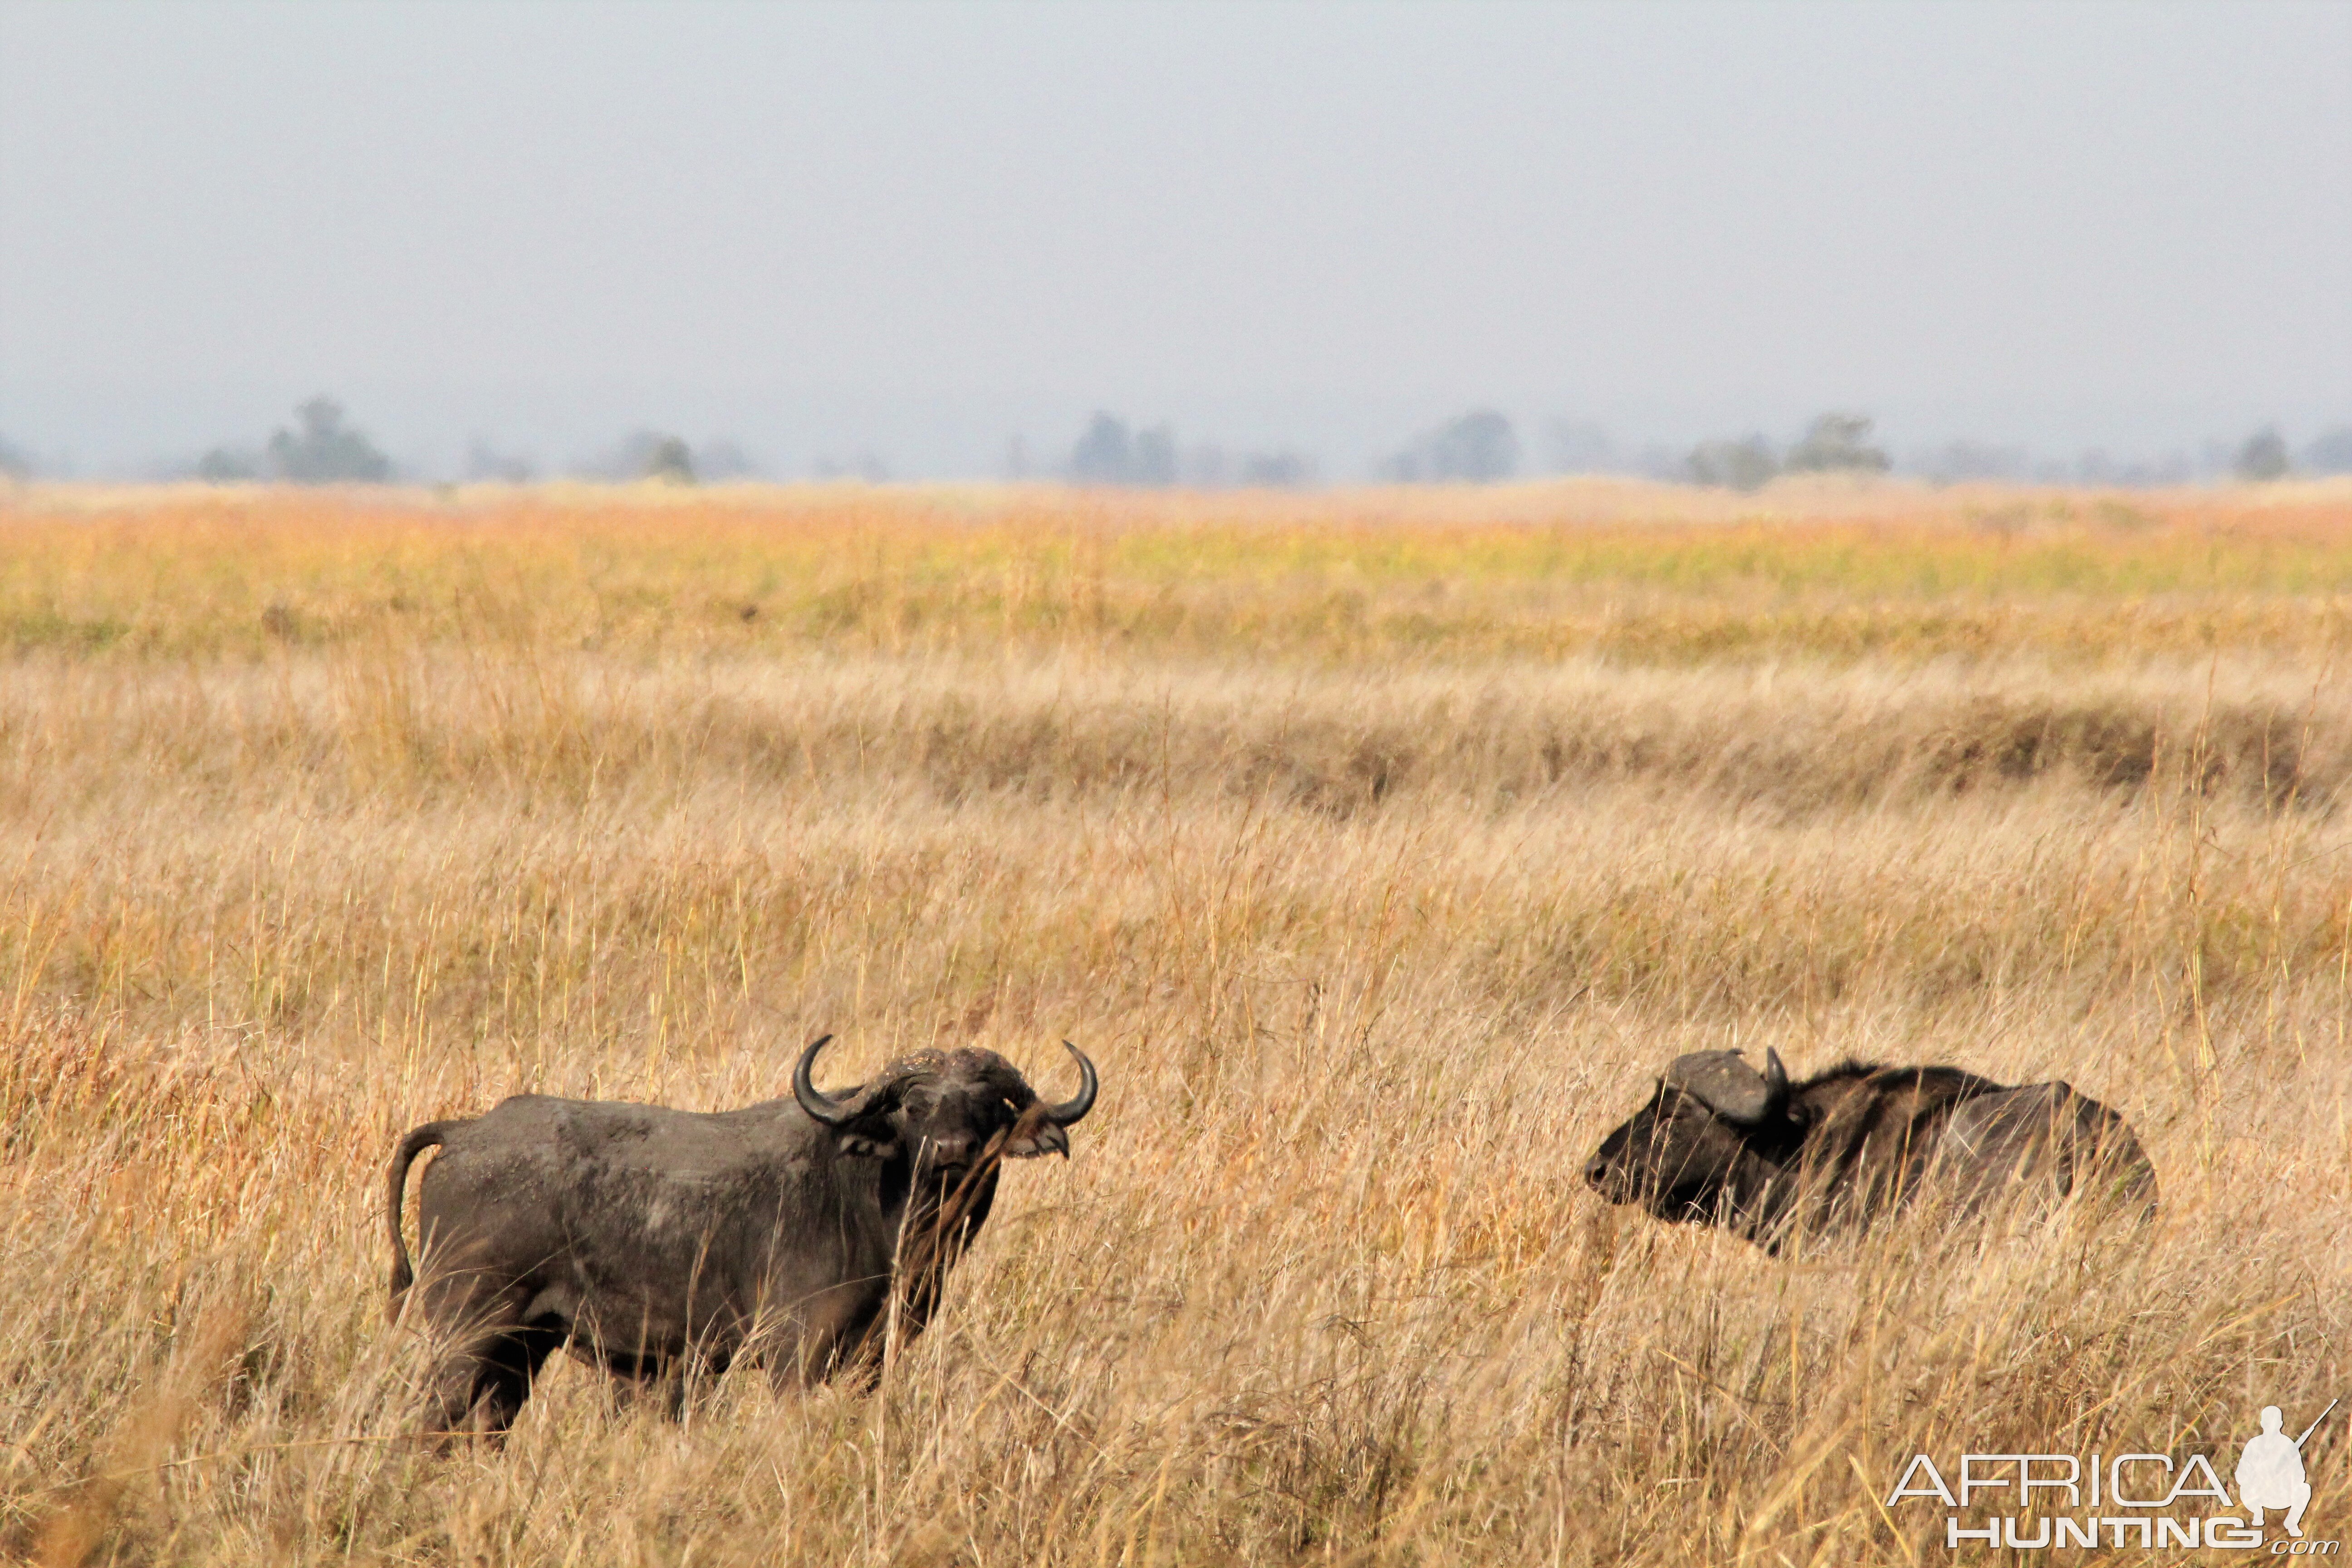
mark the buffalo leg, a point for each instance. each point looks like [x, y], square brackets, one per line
[845, 1343]
[670, 1384]
[658, 1382]
[482, 1382]
[510, 1368]
[652, 1379]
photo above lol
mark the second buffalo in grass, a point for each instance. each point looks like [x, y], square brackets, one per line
[1722, 1143]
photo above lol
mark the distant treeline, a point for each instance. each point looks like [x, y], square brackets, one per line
[1480, 445]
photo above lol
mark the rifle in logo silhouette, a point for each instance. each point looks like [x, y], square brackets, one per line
[2269, 1473]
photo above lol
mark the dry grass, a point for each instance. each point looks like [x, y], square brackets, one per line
[1378, 846]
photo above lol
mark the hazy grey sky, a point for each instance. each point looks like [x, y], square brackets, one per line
[927, 227]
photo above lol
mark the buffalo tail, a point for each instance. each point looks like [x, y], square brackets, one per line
[429, 1136]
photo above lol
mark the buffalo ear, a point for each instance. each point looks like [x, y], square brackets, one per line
[1036, 1133]
[868, 1127]
[857, 1145]
[868, 1137]
[1047, 1140]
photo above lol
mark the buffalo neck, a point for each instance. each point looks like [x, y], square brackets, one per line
[1755, 1195]
[1760, 1192]
[934, 1222]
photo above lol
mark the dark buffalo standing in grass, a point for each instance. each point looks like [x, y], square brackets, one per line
[1722, 1143]
[648, 1239]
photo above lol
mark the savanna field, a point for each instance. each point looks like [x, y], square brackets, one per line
[1381, 846]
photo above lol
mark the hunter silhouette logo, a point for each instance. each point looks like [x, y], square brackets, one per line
[2154, 1502]
[2270, 1472]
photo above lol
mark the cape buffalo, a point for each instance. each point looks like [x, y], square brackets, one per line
[647, 1239]
[1721, 1144]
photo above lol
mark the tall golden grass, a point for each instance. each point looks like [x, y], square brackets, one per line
[1380, 846]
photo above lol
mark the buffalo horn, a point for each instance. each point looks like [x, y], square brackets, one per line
[1070, 1110]
[1730, 1088]
[832, 1113]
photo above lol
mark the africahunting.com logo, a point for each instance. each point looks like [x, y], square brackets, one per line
[2150, 1501]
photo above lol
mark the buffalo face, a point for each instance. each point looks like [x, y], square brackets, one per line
[1690, 1150]
[949, 1109]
